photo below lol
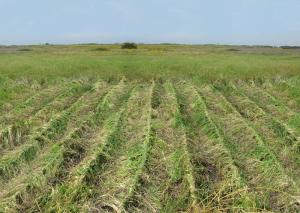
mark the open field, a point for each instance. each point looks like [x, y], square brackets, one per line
[164, 128]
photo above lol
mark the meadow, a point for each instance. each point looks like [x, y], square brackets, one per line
[162, 128]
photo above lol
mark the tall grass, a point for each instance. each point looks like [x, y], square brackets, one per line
[149, 61]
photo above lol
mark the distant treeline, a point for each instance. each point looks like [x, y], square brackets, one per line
[290, 47]
[267, 46]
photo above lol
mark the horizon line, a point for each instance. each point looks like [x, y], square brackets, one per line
[145, 43]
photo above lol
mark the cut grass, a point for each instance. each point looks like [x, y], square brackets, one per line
[153, 146]
[15, 92]
[124, 157]
[285, 91]
[263, 172]
[11, 162]
[167, 183]
[180, 127]
[32, 105]
[49, 164]
[15, 134]
[219, 183]
[274, 133]
[71, 186]
[273, 106]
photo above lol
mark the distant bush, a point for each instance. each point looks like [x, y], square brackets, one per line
[25, 50]
[233, 50]
[100, 49]
[129, 45]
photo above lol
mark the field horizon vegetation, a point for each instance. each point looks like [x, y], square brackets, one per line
[206, 62]
[161, 128]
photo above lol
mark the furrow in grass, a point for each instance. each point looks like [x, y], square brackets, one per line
[31, 105]
[218, 181]
[14, 123]
[180, 127]
[266, 100]
[73, 188]
[290, 96]
[147, 146]
[264, 174]
[11, 163]
[167, 183]
[273, 133]
[21, 113]
[14, 92]
[287, 120]
[285, 92]
[16, 133]
[68, 153]
[72, 184]
[14, 194]
[293, 89]
[122, 159]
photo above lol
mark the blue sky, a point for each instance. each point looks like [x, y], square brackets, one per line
[273, 22]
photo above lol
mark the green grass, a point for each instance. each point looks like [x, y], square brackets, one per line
[162, 128]
[149, 61]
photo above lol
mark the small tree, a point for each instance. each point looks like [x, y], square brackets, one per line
[129, 45]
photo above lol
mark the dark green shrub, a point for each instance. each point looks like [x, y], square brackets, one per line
[233, 50]
[129, 45]
[25, 50]
[101, 49]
